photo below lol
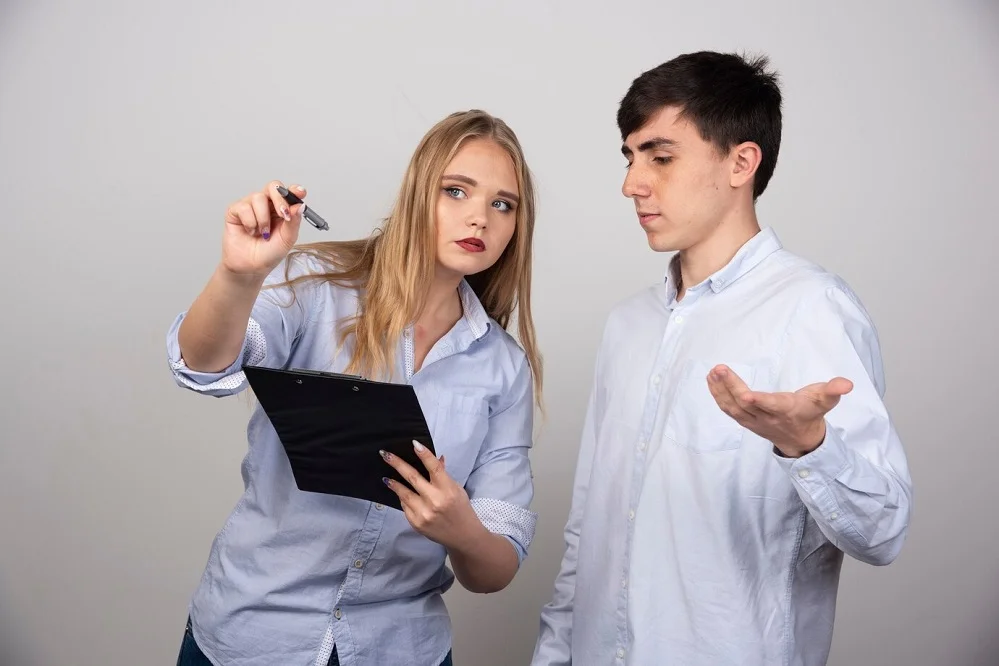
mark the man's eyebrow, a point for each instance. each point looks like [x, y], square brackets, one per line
[474, 183]
[651, 144]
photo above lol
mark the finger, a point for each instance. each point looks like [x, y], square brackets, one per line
[296, 210]
[773, 404]
[262, 211]
[726, 401]
[432, 464]
[731, 380]
[406, 496]
[406, 471]
[750, 402]
[241, 214]
[280, 205]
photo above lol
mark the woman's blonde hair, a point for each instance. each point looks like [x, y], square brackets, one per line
[394, 267]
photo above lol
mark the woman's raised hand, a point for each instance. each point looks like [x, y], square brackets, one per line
[260, 231]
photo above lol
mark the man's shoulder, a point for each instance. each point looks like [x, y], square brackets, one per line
[815, 291]
[794, 275]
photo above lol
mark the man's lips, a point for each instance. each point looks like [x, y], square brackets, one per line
[646, 218]
[472, 244]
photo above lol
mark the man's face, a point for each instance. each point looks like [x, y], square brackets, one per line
[682, 185]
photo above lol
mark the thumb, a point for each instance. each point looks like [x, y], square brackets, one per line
[831, 392]
[839, 386]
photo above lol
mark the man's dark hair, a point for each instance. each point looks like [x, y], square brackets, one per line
[729, 98]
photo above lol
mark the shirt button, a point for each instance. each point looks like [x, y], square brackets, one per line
[803, 473]
[641, 446]
[337, 614]
[834, 515]
[655, 380]
[620, 653]
[358, 563]
[379, 506]
[631, 515]
[679, 319]
[624, 582]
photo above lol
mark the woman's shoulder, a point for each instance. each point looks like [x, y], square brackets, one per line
[507, 354]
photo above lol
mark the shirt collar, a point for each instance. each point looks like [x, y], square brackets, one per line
[473, 312]
[749, 256]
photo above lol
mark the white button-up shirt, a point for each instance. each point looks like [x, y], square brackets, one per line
[690, 539]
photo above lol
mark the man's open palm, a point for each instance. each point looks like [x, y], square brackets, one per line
[793, 422]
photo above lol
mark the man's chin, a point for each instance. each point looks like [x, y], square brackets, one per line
[660, 242]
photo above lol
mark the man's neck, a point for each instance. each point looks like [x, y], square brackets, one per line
[702, 260]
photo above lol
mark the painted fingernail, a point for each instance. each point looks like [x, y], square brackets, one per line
[266, 234]
[384, 454]
[386, 481]
[285, 214]
[419, 447]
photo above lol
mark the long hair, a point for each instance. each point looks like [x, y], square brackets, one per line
[394, 267]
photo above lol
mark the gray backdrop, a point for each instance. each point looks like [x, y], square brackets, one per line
[127, 127]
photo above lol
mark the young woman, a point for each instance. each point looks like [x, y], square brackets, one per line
[306, 578]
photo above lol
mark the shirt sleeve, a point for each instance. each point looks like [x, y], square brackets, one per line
[501, 485]
[277, 321]
[856, 484]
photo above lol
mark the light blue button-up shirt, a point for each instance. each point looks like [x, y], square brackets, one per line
[690, 540]
[291, 574]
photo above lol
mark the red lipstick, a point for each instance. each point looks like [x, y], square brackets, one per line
[472, 244]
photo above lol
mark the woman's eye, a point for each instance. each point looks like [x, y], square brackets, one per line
[454, 192]
[503, 206]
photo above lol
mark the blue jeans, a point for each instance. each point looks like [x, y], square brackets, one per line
[191, 654]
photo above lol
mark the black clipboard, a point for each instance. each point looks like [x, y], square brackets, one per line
[333, 425]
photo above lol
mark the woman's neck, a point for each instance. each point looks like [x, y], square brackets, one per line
[443, 303]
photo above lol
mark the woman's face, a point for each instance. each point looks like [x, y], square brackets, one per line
[476, 208]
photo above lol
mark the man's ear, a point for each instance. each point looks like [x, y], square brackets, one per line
[746, 160]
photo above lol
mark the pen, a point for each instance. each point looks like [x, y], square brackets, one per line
[309, 214]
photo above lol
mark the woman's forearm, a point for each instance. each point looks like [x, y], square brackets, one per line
[484, 562]
[212, 333]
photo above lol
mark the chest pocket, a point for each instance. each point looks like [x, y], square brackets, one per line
[461, 423]
[696, 422]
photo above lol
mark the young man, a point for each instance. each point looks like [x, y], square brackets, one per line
[735, 444]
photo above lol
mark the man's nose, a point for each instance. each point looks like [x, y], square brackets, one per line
[636, 183]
